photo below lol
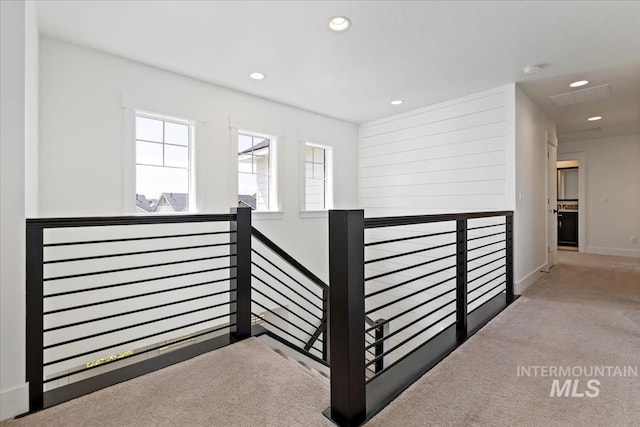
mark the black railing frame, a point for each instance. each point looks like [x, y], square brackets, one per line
[346, 310]
[461, 280]
[240, 263]
[322, 330]
[34, 369]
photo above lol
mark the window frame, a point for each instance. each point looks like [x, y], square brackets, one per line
[191, 124]
[275, 204]
[328, 186]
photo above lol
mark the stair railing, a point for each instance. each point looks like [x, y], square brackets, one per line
[112, 298]
[288, 300]
[433, 279]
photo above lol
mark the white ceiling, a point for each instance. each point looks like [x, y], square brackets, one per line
[422, 52]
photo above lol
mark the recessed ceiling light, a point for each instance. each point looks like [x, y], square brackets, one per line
[594, 118]
[256, 76]
[579, 83]
[339, 23]
[397, 102]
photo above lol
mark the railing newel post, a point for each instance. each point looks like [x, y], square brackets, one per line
[35, 314]
[346, 304]
[240, 263]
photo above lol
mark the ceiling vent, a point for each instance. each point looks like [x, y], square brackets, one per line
[581, 96]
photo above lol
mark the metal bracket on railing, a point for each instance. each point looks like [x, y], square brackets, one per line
[461, 281]
[382, 345]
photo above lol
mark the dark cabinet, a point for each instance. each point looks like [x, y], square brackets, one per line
[568, 229]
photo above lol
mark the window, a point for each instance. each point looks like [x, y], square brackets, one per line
[256, 177]
[163, 164]
[317, 177]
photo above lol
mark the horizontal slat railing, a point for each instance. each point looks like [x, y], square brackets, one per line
[288, 299]
[432, 280]
[108, 298]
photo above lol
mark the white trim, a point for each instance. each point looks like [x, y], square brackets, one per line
[581, 157]
[173, 110]
[276, 204]
[314, 214]
[329, 180]
[171, 107]
[550, 173]
[14, 401]
[529, 279]
[266, 215]
[633, 253]
[129, 150]
[129, 161]
[510, 146]
[250, 123]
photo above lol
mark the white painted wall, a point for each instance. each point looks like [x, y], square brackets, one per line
[530, 240]
[78, 160]
[32, 76]
[86, 100]
[14, 74]
[612, 205]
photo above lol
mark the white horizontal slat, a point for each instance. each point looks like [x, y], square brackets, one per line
[447, 158]
[454, 203]
[496, 186]
[458, 136]
[450, 111]
[480, 173]
[463, 161]
[468, 121]
[438, 152]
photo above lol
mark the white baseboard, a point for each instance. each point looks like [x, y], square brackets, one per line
[14, 401]
[528, 280]
[634, 253]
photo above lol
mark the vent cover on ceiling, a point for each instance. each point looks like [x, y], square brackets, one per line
[581, 96]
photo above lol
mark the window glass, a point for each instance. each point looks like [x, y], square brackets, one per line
[162, 165]
[315, 178]
[176, 156]
[149, 129]
[255, 172]
[176, 133]
[149, 153]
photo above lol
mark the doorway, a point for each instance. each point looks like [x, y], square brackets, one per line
[568, 205]
[579, 160]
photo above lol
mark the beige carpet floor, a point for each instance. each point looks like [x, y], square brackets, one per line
[585, 313]
[245, 384]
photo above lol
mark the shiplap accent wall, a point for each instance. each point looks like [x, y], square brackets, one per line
[448, 157]
[456, 156]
